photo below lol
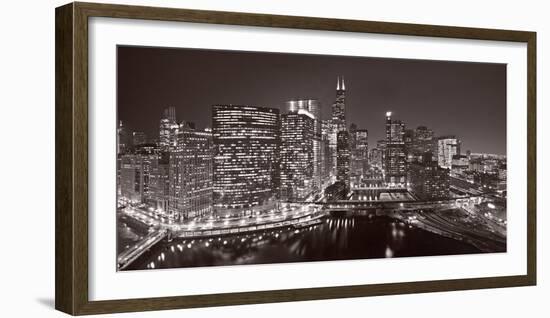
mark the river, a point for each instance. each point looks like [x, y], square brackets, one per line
[336, 238]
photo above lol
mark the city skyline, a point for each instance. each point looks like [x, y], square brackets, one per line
[465, 99]
[246, 183]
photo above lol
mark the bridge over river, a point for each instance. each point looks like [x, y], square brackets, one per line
[134, 252]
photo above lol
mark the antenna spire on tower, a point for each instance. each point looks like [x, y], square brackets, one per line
[343, 84]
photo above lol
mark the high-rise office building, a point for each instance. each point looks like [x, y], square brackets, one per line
[191, 174]
[313, 108]
[246, 164]
[326, 152]
[424, 140]
[428, 181]
[376, 158]
[338, 119]
[395, 159]
[168, 130]
[447, 147]
[332, 142]
[359, 147]
[123, 139]
[408, 141]
[339, 106]
[159, 182]
[134, 177]
[343, 158]
[123, 147]
[297, 155]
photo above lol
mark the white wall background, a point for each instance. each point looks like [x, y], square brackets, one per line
[27, 122]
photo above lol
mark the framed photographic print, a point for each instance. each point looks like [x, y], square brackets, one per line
[217, 158]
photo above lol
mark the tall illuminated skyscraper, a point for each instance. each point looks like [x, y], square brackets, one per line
[359, 147]
[326, 151]
[168, 130]
[343, 158]
[338, 119]
[339, 106]
[191, 174]
[313, 108]
[394, 159]
[297, 155]
[159, 182]
[246, 164]
[123, 140]
[134, 177]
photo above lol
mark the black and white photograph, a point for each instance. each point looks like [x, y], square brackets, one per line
[236, 158]
[275, 159]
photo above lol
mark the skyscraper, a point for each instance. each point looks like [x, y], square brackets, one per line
[359, 147]
[159, 182]
[123, 147]
[168, 129]
[246, 165]
[326, 151]
[190, 174]
[447, 147]
[394, 159]
[339, 106]
[343, 158]
[423, 140]
[408, 141]
[297, 155]
[338, 119]
[376, 158]
[134, 177]
[123, 140]
[313, 108]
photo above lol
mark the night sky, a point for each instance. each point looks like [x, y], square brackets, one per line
[464, 99]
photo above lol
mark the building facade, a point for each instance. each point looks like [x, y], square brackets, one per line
[191, 174]
[428, 181]
[299, 176]
[159, 182]
[376, 158]
[359, 150]
[338, 120]
[168, 130]
[326, 152]
[447, 147]
[313, 108]
[134, 177]
[424, 140]
[246, 163]
[343, 159]
[395, 159]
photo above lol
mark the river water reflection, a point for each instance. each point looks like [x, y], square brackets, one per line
[337, 238]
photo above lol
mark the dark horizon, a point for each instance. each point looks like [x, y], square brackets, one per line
[453, 98]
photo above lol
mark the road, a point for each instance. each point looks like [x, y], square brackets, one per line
[458, 224]
[152, 218]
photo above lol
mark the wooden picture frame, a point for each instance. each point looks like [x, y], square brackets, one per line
[71, 90]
